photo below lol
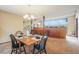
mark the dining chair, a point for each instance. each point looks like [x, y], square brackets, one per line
[41, 46]
[19, 34]
[15, 45]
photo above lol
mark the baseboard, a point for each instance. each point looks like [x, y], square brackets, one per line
[5, 42]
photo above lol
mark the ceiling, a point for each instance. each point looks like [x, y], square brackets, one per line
[41, 10]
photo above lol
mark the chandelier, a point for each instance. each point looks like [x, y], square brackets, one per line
[28, 16]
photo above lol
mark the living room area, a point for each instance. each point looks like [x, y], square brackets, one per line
[60, 23]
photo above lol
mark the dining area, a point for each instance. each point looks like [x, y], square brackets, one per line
[34, 31]
[32, 44]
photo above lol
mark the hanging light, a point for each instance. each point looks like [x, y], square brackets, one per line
[39, 23]
[27, 16]
[32, 17]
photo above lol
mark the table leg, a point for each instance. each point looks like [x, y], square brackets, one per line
[28, 49]
[20, 47]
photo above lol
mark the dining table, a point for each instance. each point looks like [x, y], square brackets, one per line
[28, 41]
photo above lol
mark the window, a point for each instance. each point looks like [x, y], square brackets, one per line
[62, 22]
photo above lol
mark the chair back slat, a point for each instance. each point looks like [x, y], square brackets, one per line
[43, 42]
[13, 40]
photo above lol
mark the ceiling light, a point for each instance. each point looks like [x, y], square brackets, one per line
[25, 16]
[39, 23]
[32, 17]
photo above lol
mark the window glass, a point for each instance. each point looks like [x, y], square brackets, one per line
[62, 22]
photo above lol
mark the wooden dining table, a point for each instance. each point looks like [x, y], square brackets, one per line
[28, 41]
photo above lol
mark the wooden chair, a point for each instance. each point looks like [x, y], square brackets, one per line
[15, 45]
[41, 47]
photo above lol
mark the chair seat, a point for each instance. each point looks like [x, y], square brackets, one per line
[39, 47]
[17, 45]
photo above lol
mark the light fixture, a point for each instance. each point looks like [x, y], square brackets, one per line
[38, 23]
[25, 16]
[29, 17]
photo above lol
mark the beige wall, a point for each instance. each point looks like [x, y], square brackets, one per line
[9, 23]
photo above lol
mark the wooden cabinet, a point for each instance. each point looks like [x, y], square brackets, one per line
[52, 32]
